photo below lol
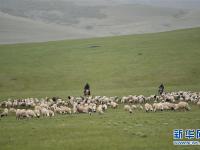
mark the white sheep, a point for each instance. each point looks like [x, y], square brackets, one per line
[68, 110]
[82, 109]
[21, 113]
[100, 109]
[113, 104]
[168, 106]
[104, 107]
[165, 106]
[127, 107]
[15, 103]
[37, 112]
[74, 107]
[8, 104]
[124, 99]
[30, 113]
[38, 108]
[157, 106]
[44, 105]
[4, 113]
[64, 109]
[53, 107]
[140, 107]
[44, 112]
[51, 113]
[134, 107]
[12, 110]
[182, 106]
[59, 110]
[148, 107]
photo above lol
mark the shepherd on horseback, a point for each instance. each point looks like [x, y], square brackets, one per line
[161, 89]
[86, 90]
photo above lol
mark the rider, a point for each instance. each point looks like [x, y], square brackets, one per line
[86, 89]
[161, 89]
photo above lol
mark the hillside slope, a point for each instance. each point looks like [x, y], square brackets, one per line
[122, 65]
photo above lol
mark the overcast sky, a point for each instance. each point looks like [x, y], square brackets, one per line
[190, 4]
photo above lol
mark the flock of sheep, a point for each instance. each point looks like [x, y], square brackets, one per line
[50, 107]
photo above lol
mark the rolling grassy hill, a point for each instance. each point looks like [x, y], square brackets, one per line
[133, 64]
[123, 65]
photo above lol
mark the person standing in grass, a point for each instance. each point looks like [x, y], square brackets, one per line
[86, 90]
[161, 89]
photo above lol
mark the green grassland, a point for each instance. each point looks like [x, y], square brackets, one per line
[123, 65]
[134, 64]
[114, 130]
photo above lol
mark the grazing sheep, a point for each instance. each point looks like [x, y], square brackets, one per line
[44, 112]
[168, 106]
[21, 113]
[4, 113]
[64, 109]
[31, 113]
[47, 106]
[38, 108]
[113, 104]
[140, 107]
[82, 109]
[91, 107]
[148, 107]
[157, 106]
[100, 109]
[74, 107]
[37, 113]
[8, 104]
[141, 99]
[134, 107]
[59, 110]
[51, 113]
[15, 103]
[44, 105]
[18, 113]
[124, 99]
[68, 110]
[104, 107]
[182, 106]
[165, 106]
[12, 110]
[53, 107]
[127, 107]
[135, 99]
